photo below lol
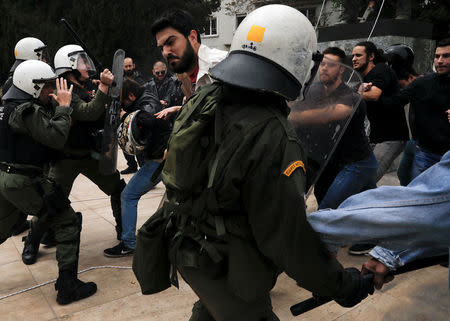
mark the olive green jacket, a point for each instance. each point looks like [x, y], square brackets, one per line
[249, 156]
[86, 111]
[48, 126]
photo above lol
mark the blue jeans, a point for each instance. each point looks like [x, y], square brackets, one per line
[352, 179]
[138, 185]
[404, 171]
[423, 159]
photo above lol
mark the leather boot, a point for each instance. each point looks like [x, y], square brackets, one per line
[30, 250]
[70, 288]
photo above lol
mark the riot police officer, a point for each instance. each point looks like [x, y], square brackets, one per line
[81, 152]
[25, 49]
[236, 214]
[31, 129]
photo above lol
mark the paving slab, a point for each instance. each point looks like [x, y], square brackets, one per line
[420, 295]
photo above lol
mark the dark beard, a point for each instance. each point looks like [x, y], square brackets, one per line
[128, 73]
[187, 61]
[363, 67]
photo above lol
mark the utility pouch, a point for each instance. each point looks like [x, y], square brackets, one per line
[52, 193]
[151, 263]
[250, 275]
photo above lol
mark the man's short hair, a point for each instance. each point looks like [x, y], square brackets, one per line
[180, 20]
[370, 49]
[335, 51]
[406, 73]
[159, 62]
[443, 42]
[131, 86]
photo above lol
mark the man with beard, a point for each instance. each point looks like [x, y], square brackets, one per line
[31, 131]
[180, 44]
[429, 98]
[129, 70]
[352, 168]
[388, 128]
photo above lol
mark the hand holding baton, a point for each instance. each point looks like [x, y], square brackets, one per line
[317, 301]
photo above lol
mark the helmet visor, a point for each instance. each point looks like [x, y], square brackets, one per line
[42, 54]
[83, 63]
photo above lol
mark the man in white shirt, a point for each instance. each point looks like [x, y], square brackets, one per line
[179, 41]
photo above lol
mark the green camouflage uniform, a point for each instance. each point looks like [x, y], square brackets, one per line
[77, 161]
[18, 192]
[235, 219]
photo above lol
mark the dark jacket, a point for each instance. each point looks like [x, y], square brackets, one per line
[168, 90]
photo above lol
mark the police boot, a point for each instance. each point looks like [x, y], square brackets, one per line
[30, 249]
[70, 288]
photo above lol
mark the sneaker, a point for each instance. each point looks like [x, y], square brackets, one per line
[118, 251]
[129, 170]
[360, 249]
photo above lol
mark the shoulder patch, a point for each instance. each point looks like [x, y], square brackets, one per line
[293, 166]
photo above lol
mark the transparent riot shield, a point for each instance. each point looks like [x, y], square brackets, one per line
[321, 117]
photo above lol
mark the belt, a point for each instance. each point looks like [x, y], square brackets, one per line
[21, 171]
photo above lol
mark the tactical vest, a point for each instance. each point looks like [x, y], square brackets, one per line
[18, 148]
[82, 134]
[193, 214]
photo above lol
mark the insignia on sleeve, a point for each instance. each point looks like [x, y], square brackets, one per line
[293, 166]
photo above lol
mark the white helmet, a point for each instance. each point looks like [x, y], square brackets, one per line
[29, 48]
[29, 78]
[272, 50]
[72, 57]
[128, 141]
[26, 49]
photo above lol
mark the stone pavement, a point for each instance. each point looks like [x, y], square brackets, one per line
[421, 295]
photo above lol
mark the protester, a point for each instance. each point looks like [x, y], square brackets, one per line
[141, 105]
[352, 167]
[180, 44]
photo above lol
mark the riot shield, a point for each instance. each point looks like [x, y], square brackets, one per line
[108, 158]
[322, 116]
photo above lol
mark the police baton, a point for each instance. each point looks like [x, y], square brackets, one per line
[97, 64]
[317, 301]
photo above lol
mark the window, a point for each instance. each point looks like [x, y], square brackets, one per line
[239, 19]
[211, 27]
[310, 13]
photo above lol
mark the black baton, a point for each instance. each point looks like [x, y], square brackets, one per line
[317, 301]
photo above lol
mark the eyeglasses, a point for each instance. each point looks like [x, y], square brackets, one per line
[162, 72]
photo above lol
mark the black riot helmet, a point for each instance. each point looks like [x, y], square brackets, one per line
[400, 57]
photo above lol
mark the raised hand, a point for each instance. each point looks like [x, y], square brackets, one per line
[63, 95]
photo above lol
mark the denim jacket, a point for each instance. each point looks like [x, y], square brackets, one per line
[415, 217]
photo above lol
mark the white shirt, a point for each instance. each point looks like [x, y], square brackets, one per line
[207, 58]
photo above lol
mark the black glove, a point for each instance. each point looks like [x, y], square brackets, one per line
[363, 287]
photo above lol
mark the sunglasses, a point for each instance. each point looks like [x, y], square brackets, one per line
[162, 73]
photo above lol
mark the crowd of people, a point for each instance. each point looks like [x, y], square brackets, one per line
[221, 130]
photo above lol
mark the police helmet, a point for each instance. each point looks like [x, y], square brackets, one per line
[271, 51]
[26, 49]
[400, 57]
[28, 80]
[128, 136]
[73, 57]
